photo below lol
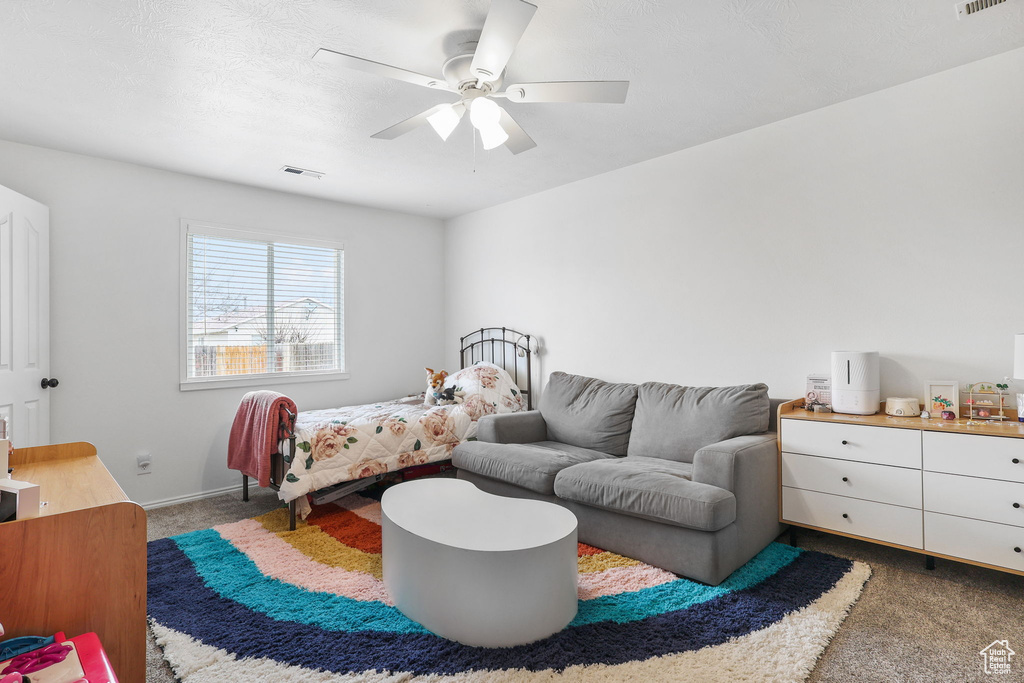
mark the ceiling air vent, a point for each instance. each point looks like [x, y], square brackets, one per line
[295, 170]
[965, 9]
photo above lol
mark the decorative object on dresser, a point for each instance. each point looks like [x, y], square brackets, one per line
[902, 407]
[1018, 371]
[986, 401]
[942, 396]
[819, 391]
[5, 448]
[946, 489]
[855, 382]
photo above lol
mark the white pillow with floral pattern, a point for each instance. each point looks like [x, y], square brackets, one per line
[489, 389]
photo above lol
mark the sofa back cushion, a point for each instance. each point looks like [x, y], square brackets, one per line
[588, 412]
[674, 422]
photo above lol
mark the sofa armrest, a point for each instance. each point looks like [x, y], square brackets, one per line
[525, 427]
[727, 463]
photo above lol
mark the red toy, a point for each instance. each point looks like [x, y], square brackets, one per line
[77, 660]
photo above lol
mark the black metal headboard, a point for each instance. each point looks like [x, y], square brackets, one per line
[504, 347]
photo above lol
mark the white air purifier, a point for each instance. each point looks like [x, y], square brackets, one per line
[855, 381]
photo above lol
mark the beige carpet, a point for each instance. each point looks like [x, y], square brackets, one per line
[910, 624]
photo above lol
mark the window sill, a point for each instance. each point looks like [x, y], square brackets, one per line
[259, 380]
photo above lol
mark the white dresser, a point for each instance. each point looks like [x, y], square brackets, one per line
[945, 489]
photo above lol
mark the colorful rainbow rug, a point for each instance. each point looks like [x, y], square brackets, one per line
[250, 601]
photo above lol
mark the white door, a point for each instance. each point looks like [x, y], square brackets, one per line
[24, 318]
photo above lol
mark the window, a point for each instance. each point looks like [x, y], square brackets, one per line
[258, 307]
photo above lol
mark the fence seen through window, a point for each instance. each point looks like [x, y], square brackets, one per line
[258, 307]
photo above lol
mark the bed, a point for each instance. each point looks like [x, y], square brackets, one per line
[326, 454]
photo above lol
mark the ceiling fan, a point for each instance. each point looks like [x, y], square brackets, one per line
[477, 78]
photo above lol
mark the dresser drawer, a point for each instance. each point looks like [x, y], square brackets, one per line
[976, 456]
[889, 523]
[971, 539]
[881, 445]
[880, 483]
[986, 499]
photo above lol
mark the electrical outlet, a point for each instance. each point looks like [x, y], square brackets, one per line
[143, 463]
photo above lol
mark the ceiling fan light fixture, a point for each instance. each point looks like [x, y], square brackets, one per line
[492, 136]
[484, 113]
[485, 116]
[446, 120]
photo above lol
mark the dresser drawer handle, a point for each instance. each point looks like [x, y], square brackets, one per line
[1016, 505]
[846, 479]
[845, 442]
[846, 516]
[1015, 461]
[1017, 549]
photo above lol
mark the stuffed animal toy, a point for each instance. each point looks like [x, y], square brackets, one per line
[435, 381]
[450, 396]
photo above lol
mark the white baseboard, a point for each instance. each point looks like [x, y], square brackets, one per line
[253, 486]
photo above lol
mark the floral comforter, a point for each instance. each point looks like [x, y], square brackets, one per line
[353, 442]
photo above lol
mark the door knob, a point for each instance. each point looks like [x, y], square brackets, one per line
[51, 382]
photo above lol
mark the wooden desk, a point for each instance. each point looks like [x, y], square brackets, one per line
[81, 565]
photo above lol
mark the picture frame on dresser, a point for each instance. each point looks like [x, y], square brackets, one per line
[940, 395]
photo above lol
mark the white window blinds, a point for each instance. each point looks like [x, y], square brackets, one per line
[257, 305]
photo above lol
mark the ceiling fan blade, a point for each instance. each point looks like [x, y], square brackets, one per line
[358, 63]
[506, 21]
[612, 92]
[411, 123]
[518, 141]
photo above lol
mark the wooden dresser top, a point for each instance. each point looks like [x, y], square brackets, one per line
[794, 410]
[70, 477]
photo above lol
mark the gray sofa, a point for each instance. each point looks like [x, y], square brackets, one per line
[683, 478]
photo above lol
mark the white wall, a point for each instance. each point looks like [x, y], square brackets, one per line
[745, 259]
[893, 222]
[114, 239]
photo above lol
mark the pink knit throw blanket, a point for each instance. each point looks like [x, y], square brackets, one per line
[255, 433]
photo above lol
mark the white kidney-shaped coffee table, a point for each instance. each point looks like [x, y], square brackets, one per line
[480, 569]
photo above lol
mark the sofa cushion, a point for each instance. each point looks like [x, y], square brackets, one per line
[651, 488]
[531, 466]
[585, 454]
[588, 412]
[674, 422]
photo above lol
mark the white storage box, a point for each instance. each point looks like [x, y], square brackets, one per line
[27, 497]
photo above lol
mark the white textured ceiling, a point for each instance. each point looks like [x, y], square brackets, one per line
[227, 89]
